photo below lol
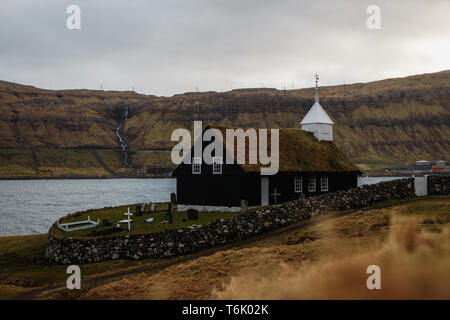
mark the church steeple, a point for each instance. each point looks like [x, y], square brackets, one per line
[317, 120]
[317, 87]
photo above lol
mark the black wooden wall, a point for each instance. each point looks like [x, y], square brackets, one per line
[211, 190]
[285, 184]
[228, 190]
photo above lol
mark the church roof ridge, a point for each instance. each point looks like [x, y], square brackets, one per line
[317, 115]
[299, 151]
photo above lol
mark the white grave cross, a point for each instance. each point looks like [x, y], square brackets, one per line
[128, 214]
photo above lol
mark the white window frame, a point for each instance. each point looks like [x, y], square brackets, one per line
[312, 186]
[298, 184]
[324, 183]
[196, 165]
[217, 165]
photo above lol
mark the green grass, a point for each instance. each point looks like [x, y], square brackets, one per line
[138, 226]
[22, 267]
[60, 163]
[374, 164]
[152, 159]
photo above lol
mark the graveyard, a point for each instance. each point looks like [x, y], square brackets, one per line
[24, 273]
[159, 230]
[353, 226]
[107, 219]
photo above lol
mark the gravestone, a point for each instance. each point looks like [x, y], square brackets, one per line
[128, 214]
[192, 214]
[169, 217]
[169, 214]
[301, 196]
[173, 198]
[153, 207]
[244, 206]
[173, 202]
[138, 210]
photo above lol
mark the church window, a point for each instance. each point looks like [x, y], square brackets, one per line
[217, 165]
[196, 165]
[324, 183]
[312, 184]
[298, 184]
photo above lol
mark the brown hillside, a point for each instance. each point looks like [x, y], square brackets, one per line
[388, 121]
[392, 120]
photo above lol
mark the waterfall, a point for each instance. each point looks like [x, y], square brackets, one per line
[123, 145]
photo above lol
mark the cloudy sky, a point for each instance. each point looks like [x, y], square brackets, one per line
[173, 46]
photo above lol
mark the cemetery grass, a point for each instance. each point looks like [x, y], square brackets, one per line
[138, 226]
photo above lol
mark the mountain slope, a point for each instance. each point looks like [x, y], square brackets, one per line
[383, 122]
[65, 133]
[392, 120]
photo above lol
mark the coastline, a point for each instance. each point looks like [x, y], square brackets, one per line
[368, 173]
[87, 177]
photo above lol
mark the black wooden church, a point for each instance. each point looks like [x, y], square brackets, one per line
[309, 164]
[306, 166]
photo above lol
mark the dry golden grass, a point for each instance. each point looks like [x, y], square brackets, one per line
[325, 259]
[8, 291]
[192, 280]
[413, 266]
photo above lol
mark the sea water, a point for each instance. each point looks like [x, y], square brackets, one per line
[31, 206]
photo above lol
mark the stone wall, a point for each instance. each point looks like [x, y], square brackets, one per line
[220, 232]
[438, 185]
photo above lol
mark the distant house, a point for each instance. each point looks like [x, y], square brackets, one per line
[421, 165]
[439, 166]
[309, 164]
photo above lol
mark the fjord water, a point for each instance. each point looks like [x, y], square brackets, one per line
[31, 206]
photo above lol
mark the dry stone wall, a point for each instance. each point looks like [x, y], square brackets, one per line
[438, 185]
[197, 237]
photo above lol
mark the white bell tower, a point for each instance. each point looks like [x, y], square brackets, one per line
[317, 120]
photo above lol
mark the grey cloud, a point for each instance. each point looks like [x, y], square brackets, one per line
[167, 47]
